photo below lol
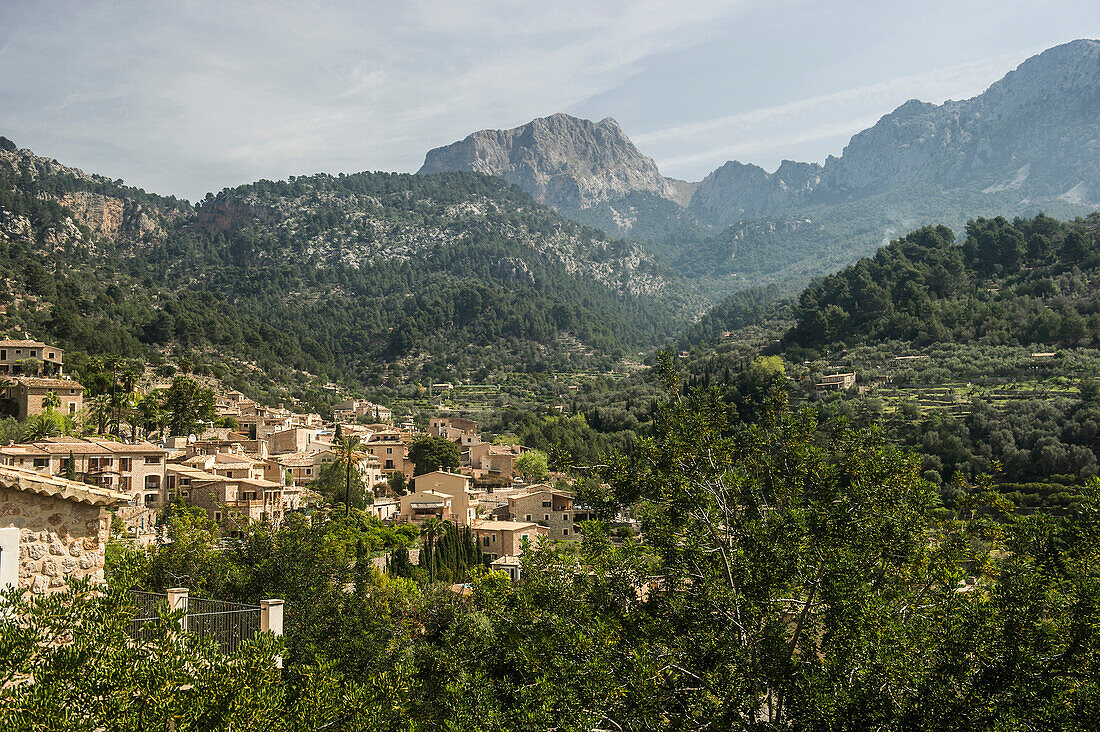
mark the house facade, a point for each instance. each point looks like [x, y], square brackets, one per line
[13, 354]
[507, 538]
[545, 506]
[51, 530]
[29, 393]
[455, 485]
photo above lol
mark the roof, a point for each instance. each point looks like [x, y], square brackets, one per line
[92, 446]
[294, 459]
[432, 493]
[17, 343]
[69, 490]
[504, 525]
[48, 383]
[443, 472]
[536, 490]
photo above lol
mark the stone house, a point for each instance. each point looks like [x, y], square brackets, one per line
[418, 506]
[455, 429]
[353, 409]
[496, 459]
[391, 451]
[505, 538]
[464, 501]
[299, 468]
[14, 352]
[837, 382]
[28, 393]
[134, 468]
[295, 439]
[232, 499]
[51, 530]
[543, 505]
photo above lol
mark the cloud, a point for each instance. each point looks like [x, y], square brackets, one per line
[208, 94]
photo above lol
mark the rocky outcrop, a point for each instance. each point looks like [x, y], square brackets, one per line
[562, 161]
[1036, 131]
[737, 191]
[116, 219]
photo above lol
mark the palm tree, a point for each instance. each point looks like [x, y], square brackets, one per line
[99, 408]
[350, 456]
[41, 426]
[431, 528]
[51, 401]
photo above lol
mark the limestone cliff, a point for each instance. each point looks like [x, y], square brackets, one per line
[1035, 132]
[562, 161]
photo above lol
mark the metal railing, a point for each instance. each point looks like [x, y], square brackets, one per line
[227, 623]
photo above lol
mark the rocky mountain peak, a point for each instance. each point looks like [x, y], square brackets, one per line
[562, 161]
[1035, 131]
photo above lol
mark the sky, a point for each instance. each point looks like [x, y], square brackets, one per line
[185, 97]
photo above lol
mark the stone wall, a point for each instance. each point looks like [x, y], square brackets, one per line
[59, 539]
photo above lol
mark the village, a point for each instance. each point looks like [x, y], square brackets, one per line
[62, 497]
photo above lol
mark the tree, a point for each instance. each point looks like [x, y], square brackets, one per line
[189, 405]
[430, 529]
[45, 424]
[532, 465]
[99, 409]
[432, 453]
[51, 401]
[398, 484]
[350, 457]
[786, 570]
[30, 366]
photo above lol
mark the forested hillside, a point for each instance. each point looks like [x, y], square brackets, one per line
[350, 277]
[981, 355]
[1026, 282]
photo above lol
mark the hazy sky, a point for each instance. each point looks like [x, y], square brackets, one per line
[188, 97]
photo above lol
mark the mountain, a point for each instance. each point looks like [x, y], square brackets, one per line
[352, 277]
[1029, 143]
[1035, 133]
[562, 161]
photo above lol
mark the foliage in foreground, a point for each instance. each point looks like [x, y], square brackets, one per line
[783, 580]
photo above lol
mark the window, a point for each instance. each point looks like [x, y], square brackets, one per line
[546, 517]
[34, 354]
[565, 517]
[217, 515]
[546, 504]
[152, 459]
[389, 451]
[3, 354]
[485, 541]
[72, 407]
[565, 532]
[41, 462]
[309, 471]
[527, 517]
[389, 465]
[52, 355]
[125, 464]
[525, 537]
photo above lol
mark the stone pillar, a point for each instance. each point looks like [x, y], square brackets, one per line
[177, 600]
[271, 621]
